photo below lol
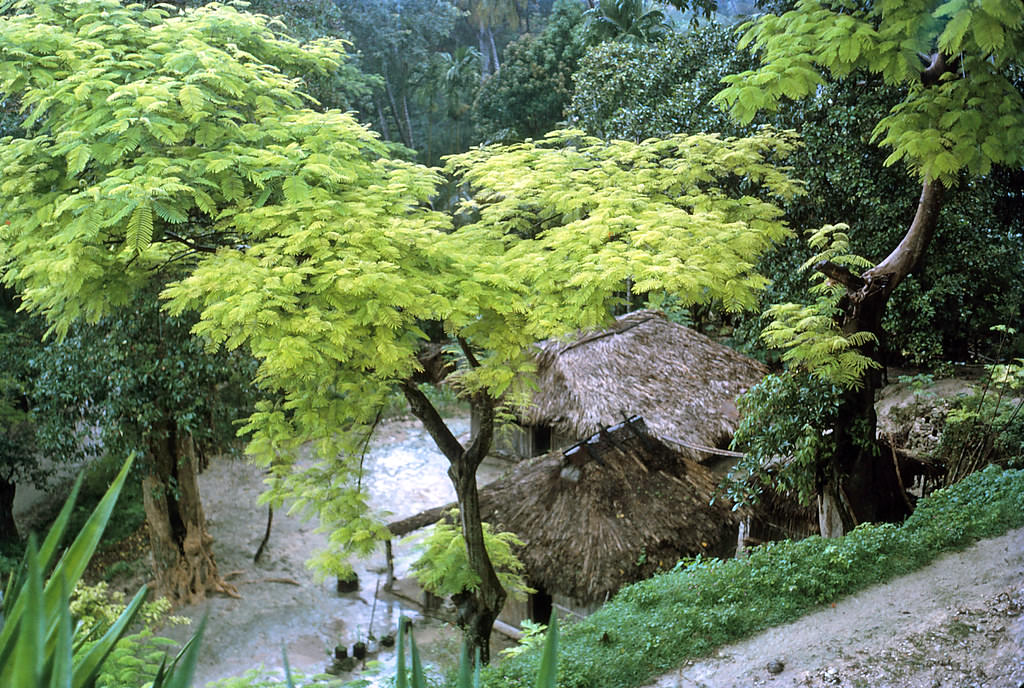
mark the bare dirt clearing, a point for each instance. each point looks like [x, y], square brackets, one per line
[282, 605]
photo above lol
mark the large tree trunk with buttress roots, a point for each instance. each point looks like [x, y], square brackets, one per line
[858, 483]
[477, 609]
[183, 562]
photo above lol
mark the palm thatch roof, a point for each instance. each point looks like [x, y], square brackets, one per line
[609, 511]
[681, 382]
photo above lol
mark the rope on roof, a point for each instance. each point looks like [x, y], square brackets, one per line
[705, 450]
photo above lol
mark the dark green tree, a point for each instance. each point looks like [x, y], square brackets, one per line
[138, 382]
[19, 455]
[528, 97]
[625, 21]
[959, 114]
[397, 41]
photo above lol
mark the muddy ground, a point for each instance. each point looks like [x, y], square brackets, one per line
[282, 604]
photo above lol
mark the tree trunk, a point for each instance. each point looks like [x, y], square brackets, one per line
[402, 132]
[485, 52]
[8, 529]
[477, 609]
[408, 122]
[183, 562]
[384, 130]
[856, 484]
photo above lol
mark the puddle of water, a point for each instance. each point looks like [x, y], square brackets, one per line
[405, 474]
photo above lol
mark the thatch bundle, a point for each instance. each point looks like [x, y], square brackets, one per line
[614, 512]
[682, 383]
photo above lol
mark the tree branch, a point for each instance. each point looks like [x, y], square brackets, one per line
[197, 247]
[840, 274]
[432, 421]
[906, 257]
[937, 66]
[470, 357]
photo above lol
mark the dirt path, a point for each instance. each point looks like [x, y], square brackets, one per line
[957, 623]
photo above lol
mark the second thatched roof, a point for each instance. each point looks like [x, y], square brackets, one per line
[681, 382]
[611, 511]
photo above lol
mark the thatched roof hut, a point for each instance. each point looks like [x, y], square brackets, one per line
[607, 512]
[681, 382]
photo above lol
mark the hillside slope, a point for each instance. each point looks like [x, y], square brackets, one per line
[958, 622]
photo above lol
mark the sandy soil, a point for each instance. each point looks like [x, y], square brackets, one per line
[957, 623]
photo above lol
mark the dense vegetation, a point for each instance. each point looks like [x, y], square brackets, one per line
[211, 216]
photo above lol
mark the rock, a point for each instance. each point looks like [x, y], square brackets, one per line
[775, 666]
[348, 585]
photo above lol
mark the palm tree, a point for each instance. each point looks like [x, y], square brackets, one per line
[461, 82]
[628, 21]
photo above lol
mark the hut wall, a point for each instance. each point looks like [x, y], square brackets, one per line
[538, 608]
[515, 612]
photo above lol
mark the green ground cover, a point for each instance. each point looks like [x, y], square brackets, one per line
[656, 625]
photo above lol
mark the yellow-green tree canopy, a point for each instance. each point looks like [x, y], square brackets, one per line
[961, 111]
[176, 147]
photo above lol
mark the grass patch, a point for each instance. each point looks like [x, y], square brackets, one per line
[654, 626]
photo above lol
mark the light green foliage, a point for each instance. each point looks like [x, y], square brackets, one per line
[556, 229]
[291, 236]
[968, 121]
[657, 625]
[262, 678]
[148, 127]
[655, 212]
[533, 636]
[443, 567]
[810, 333]
[136, 658]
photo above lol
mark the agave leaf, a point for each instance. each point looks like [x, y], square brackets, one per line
[287, 668]
[72, 564]
[53, 539]
[465, 679]
[23, 660]
[419, 680]
[88, 665]
[179, 675]
[548, 672]
[400, 678]
[63, 652]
